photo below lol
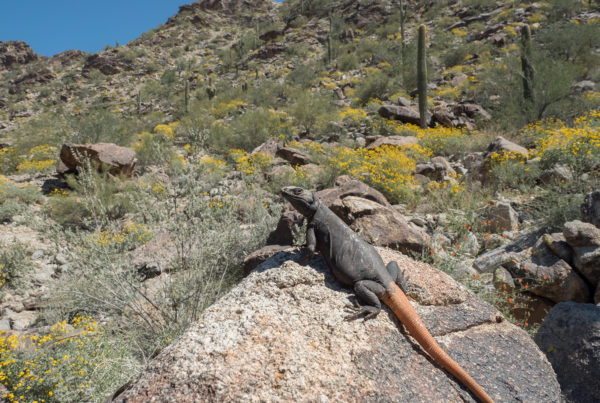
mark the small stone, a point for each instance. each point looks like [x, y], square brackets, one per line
[4, 324]
[470, 244]
[503, 280]
[22, 320]
[37, 255]
[61, 259]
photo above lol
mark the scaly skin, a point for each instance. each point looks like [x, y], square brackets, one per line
[357, 264]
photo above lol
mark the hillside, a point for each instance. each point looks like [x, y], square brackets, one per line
[228, 101]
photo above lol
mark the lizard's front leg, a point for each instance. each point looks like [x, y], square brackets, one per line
[311, 244]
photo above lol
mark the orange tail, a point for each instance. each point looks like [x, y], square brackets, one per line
[399, 304]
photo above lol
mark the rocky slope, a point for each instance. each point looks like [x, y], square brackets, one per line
[196, 125]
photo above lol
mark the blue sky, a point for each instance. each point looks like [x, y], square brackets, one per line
[53, 26]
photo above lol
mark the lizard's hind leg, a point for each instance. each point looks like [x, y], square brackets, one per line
[367, 291]
[397, 274]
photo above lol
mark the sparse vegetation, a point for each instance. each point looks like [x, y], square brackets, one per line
[196, 105]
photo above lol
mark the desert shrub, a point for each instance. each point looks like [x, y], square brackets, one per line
[100, 125]
[40, 159]
[73, 361]
[575, 145]
[303, 75]
[347, 60]
[249, 165]
[373, 87]
[515, 174]
[155, 148]
[14, 198]
[14, 263]
[9, 160]
[250, 129]
[312, 111]
[96, 200]
[208, 247]
[168, 77]
[389, 169]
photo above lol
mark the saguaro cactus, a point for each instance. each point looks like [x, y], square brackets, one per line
[422, 77]
[186, 96]
[526, 66]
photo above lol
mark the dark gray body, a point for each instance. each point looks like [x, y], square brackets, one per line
[349, 257]
[353, 262]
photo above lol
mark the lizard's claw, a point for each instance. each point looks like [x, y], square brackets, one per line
[356, 311]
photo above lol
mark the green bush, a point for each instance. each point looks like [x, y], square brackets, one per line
[14, 198]
[373, 87]
[14, 263]
[96, 200]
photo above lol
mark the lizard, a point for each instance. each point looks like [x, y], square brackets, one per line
[355, 263]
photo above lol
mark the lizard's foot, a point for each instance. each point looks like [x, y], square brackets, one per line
[305, 257]
[357, 311]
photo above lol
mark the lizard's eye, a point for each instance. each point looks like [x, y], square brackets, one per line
[297, 191]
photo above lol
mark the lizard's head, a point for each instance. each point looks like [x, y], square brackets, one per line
[303, 200]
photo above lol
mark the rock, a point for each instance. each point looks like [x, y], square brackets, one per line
[403, 101]
[261, 255]
[557, 174]
[104, 156]
[443, 117]
[501, 145]
[489, 261]
[271, 35]
[4, 325]
[421, 179]
[569, 337]
[587, 262]
[579, 233]
[43, 274]
[280, 335]
[398, 141]
[501, 217]
[15, 52]
[346, 186]
[22, 320]
[67, 57]
[503, 279]
[404, 114]
[590, 209]
[472, 159]
[437, 169]
[42, 76]
[61, 259]
[281, 173]
[597, 295]
[268, 51]
[293, 156]
[584, 86]
[470, 245]
[471, 110]
[558, 245]
[269, 147]
[283, 234]
[380, 225]
[107, 63]
[550, 277]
